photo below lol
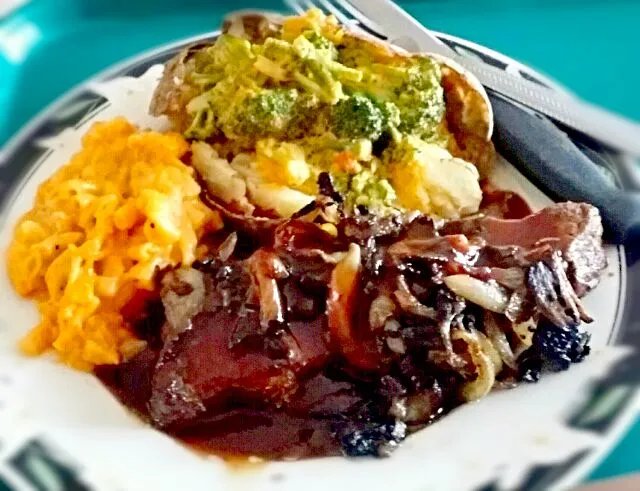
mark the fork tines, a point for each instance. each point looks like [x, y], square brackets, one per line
[342, 10]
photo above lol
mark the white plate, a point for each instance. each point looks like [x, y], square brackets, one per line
[62, 426]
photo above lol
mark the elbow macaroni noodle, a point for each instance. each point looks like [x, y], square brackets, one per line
[122, 208]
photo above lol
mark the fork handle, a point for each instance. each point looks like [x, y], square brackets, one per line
[547, 155]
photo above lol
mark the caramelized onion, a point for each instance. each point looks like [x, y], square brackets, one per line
[485, 367]
[183, 296]
[409, 303]
[341, 308]
[454, 248]
[227, 248]
[524, 333]
[341, 298]
[266, 268]
[490, 296]
[499, 339]
[382, 308]
[396, 345]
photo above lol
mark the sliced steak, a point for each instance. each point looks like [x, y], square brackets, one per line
[573, 228]
[295, 342]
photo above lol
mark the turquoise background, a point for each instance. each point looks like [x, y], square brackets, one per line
[591, 46]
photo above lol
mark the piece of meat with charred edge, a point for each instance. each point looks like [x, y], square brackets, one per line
[554, 295]
[370, 439]
[573, 228]
[257, 226]
[410, 304]
[199, 370]
[420, 407]
[132, 380]
[362, 228]
[451, 250]
[299, 237]
[321, 396]
[326, 187]
[269, 434]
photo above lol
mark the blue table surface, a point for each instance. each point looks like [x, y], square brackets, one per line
[591, 46]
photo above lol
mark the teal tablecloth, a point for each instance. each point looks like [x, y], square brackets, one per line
[591, 46]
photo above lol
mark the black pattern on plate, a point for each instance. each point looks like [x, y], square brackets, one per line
[466, 50]
[39, 466]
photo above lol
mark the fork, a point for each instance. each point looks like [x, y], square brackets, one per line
[343, 11]
[612, 130]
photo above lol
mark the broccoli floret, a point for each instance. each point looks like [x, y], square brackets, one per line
[318, 71]
[231, 52]
[365, 189]
[202, 126]
[421, 98]
[268, 113]
[358, 117]
[278, 52]
[412, 89]
[424, 73]
[322, 44]
[229, 56]
[420, 113]
[391, 114]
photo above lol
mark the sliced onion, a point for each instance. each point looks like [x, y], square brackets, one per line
[382, 308]
[183, 294]
[341, 305]
[409, 303]
[419, 408]
[524, 332]
[485, 367]
[490, 351]
[499, 340]
[392, 325]
[228, 246]
[396, 345]
[266, 268]
[516, 305]
[488, 295]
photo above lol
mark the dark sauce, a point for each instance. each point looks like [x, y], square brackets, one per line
[305, 429]
[271, 435]
[503, 204]
[308, 421]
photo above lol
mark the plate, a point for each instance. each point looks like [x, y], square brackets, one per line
[64, 427]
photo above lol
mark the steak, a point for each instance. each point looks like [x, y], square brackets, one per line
[321, 343]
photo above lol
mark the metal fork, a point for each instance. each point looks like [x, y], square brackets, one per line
[350, 16]
[610, 129]
[343, 11]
